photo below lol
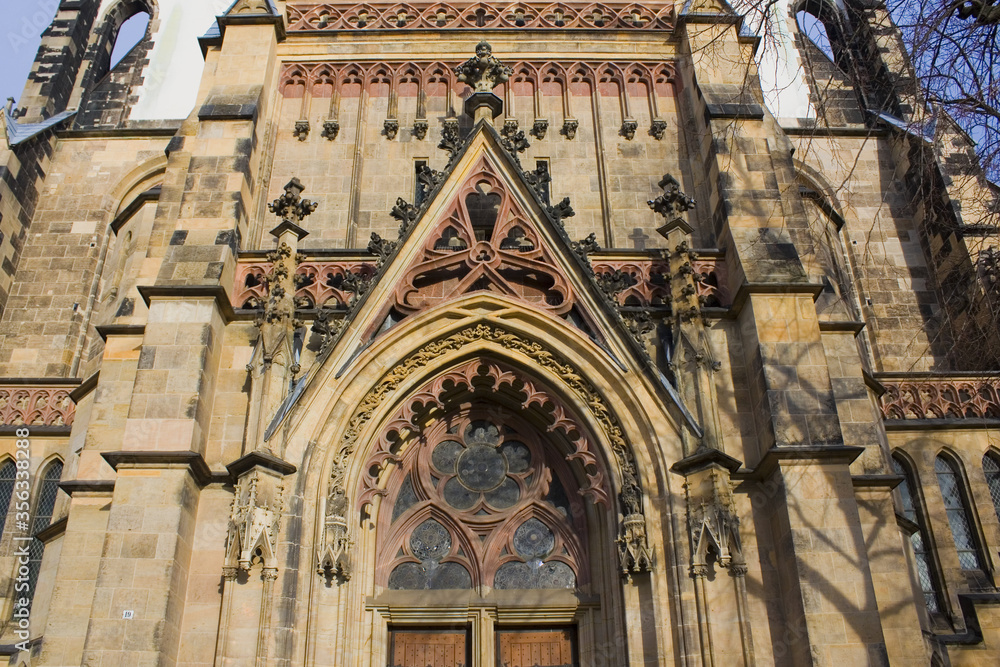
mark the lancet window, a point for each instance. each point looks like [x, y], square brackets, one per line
[8, 472]
[991, 468]
[959, 517]
[926, 574]
[44, 508]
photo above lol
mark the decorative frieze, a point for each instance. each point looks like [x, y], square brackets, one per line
[478, 15]
[320, 283]
[322, 84]
[36, 406]
[650, 284]
[318, 79]
[941, 398]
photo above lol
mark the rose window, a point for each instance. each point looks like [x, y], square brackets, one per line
[482, 502]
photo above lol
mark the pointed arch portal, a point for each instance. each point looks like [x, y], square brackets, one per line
[470, 434]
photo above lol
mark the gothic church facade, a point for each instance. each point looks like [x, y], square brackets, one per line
[468, 333]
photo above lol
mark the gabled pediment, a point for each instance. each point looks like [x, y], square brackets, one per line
[482, 247]
[484, 229]
[483, 239]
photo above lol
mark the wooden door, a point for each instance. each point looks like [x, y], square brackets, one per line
[428, 648]
[535, 648]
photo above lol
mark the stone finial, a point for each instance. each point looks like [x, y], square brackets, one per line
[672, 202]
[291, 207]
[483, 72]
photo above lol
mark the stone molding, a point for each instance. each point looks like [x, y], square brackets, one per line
[940, 398]
[54, 530]
[483, 16]
[318, 283]
[36, 406]
[321, 282]
[103, 487]
[199, 469]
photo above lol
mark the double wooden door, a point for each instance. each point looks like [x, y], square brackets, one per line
[450, 648]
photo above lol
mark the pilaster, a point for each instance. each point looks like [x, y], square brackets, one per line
[77, 573]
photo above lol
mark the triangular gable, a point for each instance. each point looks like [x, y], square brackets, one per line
[702, 7]
[464, 241]
[483, 240]
[485, 230]
[248, 7]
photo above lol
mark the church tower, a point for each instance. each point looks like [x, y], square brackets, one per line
[519, 334]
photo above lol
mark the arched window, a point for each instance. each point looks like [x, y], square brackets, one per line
[815, 31]
[991, 468]
[959, 517]
[8, 471]
[129, 34]
[926, 573]
[44, 507]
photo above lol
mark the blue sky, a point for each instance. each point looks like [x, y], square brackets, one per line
[24, 21]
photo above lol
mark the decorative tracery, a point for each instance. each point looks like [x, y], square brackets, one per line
[499, 382]
[464, 14]
[479, 500]
[486, 242]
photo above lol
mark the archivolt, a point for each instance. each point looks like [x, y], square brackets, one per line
[483, 375]
[630, 493]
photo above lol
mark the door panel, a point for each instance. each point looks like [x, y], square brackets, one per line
[428, 648]
[535, 648]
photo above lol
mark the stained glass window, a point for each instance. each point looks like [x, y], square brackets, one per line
[958, 513]
[481, 501]
[44, 507]
[918, 540]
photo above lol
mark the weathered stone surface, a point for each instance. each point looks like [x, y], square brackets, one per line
[692, 460]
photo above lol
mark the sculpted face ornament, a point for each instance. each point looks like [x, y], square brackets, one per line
[483, 72]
